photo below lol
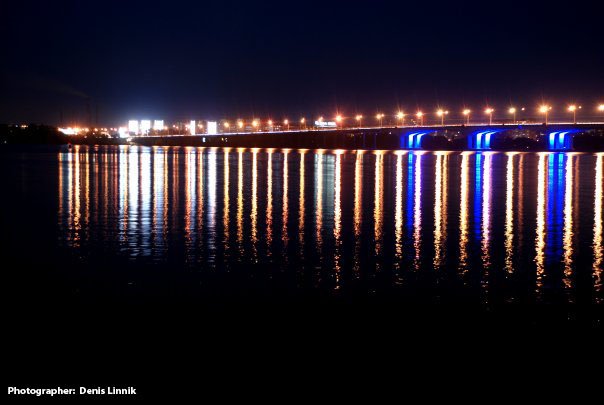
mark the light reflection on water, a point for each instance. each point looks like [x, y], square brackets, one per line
[463, 212]
[337, 216]
[597, 241]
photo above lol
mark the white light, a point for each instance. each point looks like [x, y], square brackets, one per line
[192, 127]
[145, 126]
[123, 131]
[212, 128]
[133, 126]
[68, 131]
[158, 125]
[325, 124]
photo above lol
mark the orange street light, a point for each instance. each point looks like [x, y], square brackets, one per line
[467, 112]
[442, 114]
[512, 110]
[359, 118]
[490, 111]
[401, 116]
[545, 109]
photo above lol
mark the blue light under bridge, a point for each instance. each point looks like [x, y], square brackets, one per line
[481, 140]
[413, 140]
[560, 140]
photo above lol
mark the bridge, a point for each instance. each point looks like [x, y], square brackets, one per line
[526, 136]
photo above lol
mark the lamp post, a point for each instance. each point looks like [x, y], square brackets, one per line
[359, 118]
[255, 124]
[442, 114]
[573, 109]
[512, 111]
[401, 116]
[226, 126]
[467, 112]
[544, 109]
[240, 124]
[286, 123]
[380, 118]
[489, 111]
[339, 120]
[302, 122]
[420, 116]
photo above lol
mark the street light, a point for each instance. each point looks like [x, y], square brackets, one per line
[226, 125]
[240, 124]
[401, 116]
[573, 109]
[286, 123]
[359, 118]
[442, 114]
[255, 124]
[490, 111]
[420, 116]
[467, 112]
[302, 122]
[544, 109]
[380, 117]
[512, 111]
[339, 119]
[270, 125]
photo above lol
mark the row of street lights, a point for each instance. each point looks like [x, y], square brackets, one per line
[400, 117]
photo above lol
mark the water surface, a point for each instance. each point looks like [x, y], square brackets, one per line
[485, 229]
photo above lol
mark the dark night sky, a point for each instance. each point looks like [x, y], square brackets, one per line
[181, 60]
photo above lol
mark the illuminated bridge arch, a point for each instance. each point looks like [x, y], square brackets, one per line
[481, 140]
[413, 140]
[560, 140]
